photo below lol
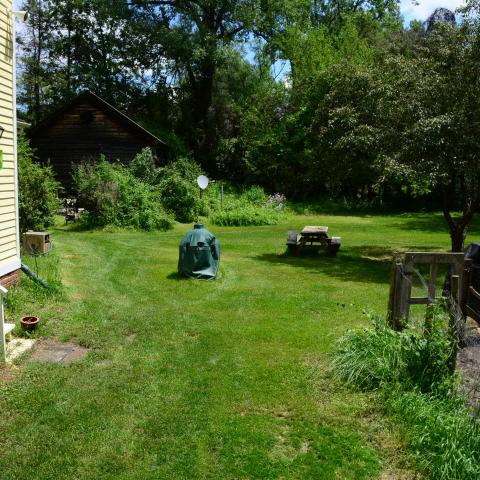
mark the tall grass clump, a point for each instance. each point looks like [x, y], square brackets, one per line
[411, 371]
[29, 296]
[252, 207]
[371, 357]
[442, 435]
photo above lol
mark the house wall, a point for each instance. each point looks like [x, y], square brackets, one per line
[9, 234]
[75, 137]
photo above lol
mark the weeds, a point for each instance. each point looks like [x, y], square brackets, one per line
[30, 294]
[252, 207]
[443, 437]
[371, 357]
[411, 372]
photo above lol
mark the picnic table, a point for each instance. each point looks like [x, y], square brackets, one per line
[311, 239]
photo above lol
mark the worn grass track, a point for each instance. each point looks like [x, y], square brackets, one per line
[222, 380]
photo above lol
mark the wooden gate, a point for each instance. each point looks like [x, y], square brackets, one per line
[400, 297]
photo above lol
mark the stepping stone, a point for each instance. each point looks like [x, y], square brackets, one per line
[51, 351]
[17, 347]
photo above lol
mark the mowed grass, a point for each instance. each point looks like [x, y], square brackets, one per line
[207, 380]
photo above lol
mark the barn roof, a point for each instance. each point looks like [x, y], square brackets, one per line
[102, 105]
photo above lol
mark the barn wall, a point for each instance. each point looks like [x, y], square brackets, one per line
[9, 235]
[72, 139]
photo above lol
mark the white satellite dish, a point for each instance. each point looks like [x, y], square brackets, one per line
[202, 181]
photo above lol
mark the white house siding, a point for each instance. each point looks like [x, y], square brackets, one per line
[9, 234]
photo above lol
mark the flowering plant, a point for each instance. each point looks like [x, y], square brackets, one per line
[276, 201]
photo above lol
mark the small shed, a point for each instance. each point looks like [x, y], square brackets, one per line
[85, 128]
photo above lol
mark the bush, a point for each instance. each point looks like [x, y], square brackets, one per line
[252, 207]
[143, 167]
[243, 216]
[178, 190]
[180, 197]
[37, 190]
[113, 196]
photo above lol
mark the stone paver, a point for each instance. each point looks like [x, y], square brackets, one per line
[51, 351]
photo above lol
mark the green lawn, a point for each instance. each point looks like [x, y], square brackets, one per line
[219, 380]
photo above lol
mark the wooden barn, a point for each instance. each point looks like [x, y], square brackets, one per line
[83, 129]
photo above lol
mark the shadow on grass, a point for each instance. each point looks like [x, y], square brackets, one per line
[364, 264]
[428, 222]
[175, 276]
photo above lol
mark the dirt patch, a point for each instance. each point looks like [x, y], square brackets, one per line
[468, 362]
[52, 351]
[400, 475]
[8, 373]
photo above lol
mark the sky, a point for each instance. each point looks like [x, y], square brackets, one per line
[422, 9]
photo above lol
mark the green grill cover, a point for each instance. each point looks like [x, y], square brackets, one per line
[199, 254]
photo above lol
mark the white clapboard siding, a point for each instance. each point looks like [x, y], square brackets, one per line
[9, 253]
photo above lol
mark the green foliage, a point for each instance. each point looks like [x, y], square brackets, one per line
[143, 167]
[245, 215]
[442, 435]
[372, 357]
[37, 190]
[179, 197]
[179, 191]
[411, 371]
[251, 207]
[28, 292]
[426, 101]
[113, 196]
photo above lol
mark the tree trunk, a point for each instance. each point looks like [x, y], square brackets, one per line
[202, 91]
[458, 228]
[457, 237]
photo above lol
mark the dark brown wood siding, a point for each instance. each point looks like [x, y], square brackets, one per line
[83, 133]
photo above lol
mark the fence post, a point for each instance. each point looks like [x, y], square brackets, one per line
[405, 292]
[452, 327]
[394, 298]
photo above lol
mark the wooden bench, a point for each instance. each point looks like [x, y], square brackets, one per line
[312, 239]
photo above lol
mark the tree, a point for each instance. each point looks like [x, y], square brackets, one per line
[193, 38]
[36, 64]
[429, 106]
[38, 190]
[72, 45]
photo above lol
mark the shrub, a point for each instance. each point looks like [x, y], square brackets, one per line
[243, 216]
[254, 196]
[179, 197]
[143, 167]
[113, 196]
[183, 166]
[178, 190]
[38, 190]
[252, 207]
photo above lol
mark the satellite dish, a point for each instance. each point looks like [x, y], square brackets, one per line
[202, 181]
